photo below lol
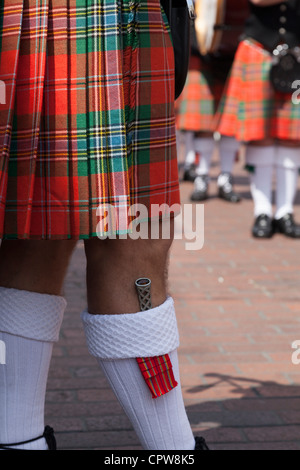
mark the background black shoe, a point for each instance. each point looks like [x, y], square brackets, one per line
[200, 192]
[226, 191]
[201, 444]
[263, 227]
[287, 226]
[189, 174]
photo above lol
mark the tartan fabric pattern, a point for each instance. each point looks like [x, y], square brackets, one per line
[198, 102]
[89, 114]
[158, 374]
[250, 108]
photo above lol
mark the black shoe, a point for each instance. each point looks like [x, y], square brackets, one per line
[226, 191]
[263, 227]
[200, 188]
[201, 444]
[287, 226]
[48, 435]
[189, 174]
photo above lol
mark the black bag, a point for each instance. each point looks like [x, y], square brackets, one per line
[180, 22]
[285, 68]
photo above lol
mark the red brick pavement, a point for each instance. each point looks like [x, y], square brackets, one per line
[237, 303]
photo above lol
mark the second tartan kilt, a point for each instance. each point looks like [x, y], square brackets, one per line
[89, 114]
[251, 109]
[196, 106]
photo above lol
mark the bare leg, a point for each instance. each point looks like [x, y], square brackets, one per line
[35, 266]
[114, 265]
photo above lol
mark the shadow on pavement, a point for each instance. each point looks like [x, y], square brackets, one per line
[265, 416]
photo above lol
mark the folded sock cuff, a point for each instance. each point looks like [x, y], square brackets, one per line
[144, 334]
[30, 314]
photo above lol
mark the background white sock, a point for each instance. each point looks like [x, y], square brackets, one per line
[261, 190]
[263, 160]
[205, 147]
[287, 173]
[286, 190]
[29, 324]
[228, 147]
[190, 155]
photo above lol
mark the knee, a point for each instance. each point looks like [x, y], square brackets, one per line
[37, 251]
[113, 266]
[127, 252]
[35, 265]
[154, 246]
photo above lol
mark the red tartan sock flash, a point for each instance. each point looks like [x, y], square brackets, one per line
[157, 371]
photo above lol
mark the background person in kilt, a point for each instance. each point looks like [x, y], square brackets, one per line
[88, 121]
[195, 111]
[266, 120]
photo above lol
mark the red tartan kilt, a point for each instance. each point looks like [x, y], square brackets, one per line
[251, 109]
[196, 106]
[89, 115]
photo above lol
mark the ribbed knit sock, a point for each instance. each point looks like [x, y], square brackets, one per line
[116, 341]
[161, 423]
[29, 325]
[263, 161]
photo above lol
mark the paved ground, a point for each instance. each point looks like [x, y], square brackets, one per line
[237, 304]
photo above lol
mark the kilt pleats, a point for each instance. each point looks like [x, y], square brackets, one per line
[89, 114]
[198, 102]
[250, 108]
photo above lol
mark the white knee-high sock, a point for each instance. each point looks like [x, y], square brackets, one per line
[190, 155]
[287, 172]
[286, 190]
[161, 423]
[263, 160]
[228, 147]
[205, 147]
[29, 325]
[261, 190]
[116, 341]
